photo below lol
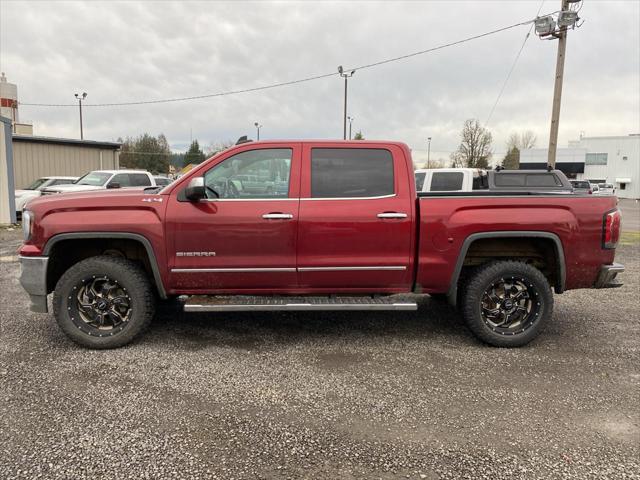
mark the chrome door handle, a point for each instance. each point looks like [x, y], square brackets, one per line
[276, 216]
[392, 215]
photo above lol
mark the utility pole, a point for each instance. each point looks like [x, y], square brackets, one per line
[258, 127]
[80, 98]
[557, 91]
[350, 122]
[346, 76]
[429, 152]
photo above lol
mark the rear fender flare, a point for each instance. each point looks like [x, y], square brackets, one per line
[452, 293]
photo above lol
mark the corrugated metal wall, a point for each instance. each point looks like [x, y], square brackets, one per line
[32, 160]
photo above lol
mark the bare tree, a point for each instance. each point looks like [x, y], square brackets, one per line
[474, 150]
[515, 143]
[439, 163]
[526, 139]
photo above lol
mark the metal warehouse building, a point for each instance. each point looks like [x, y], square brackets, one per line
[35, 157]
[614, 159]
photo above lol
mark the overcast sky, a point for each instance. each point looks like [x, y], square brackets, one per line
[131, 51]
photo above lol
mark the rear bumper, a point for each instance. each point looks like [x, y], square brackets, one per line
[33, 278]
[607, 276]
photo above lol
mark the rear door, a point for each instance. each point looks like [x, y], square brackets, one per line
[356, 217]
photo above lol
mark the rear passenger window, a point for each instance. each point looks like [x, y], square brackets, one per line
[121, 179]
[351, 172]
[420, 180]
[139, 180]
[446, 181]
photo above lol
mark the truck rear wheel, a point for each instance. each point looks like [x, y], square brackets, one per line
[103, 302]
[507, 303]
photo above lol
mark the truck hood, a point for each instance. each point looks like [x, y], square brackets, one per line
[96, 211]
[94, 199]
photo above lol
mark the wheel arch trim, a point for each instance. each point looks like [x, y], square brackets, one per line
[153, 262]
[452, 293]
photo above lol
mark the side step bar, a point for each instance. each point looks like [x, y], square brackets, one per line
[242, 303]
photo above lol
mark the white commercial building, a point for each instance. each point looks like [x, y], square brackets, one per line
[613, 160]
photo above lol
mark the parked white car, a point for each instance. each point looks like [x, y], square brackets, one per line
[34, 190]
[103, 179]
[162, 181]
[607, 189]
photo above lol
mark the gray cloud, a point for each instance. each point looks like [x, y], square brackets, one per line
[123, 51]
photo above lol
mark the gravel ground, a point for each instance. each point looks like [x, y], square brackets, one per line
[299, 395]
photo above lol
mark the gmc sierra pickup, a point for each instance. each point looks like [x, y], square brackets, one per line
[334, 226]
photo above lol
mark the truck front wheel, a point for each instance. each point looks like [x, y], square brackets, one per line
[507, 303]
[103, 302]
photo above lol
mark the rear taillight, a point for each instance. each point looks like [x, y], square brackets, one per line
[611, 229]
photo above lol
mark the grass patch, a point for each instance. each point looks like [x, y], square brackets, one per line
[630, 238]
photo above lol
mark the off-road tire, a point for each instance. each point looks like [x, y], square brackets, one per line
[127, 274]
[483, 278]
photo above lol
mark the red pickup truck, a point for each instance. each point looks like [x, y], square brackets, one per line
[313, 225]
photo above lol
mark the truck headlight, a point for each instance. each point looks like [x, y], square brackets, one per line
[27, 225]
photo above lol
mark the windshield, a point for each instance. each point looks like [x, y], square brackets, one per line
[36, 184]
[96, 179]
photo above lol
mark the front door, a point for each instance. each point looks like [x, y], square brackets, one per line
[356, 219]
[242, 238]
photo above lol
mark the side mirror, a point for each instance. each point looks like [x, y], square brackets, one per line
[113, 185]
[195, 191]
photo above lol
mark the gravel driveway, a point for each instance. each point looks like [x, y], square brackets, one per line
[335, 395]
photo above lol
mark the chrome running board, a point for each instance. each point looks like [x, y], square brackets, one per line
[242, 303]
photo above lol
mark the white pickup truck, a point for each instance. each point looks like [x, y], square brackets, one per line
[470, 179]
[449, 179]
[104, 179]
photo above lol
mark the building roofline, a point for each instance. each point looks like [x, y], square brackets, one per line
[66, 141]
[631, 135]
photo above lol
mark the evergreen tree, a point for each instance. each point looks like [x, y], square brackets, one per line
[194, 155]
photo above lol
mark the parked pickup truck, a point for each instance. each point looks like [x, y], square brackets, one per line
[469, 179]
[105, 179]
[349, 232]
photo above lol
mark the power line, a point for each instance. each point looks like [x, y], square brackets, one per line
[282, 84]
[513, 66]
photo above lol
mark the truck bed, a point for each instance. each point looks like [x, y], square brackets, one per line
[450, 224]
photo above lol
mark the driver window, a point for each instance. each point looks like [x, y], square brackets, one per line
[251, 174]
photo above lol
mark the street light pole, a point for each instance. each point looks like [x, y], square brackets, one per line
[429, 152]
[258, 126]
[350, 122]
[80, 98]
[346, 76]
